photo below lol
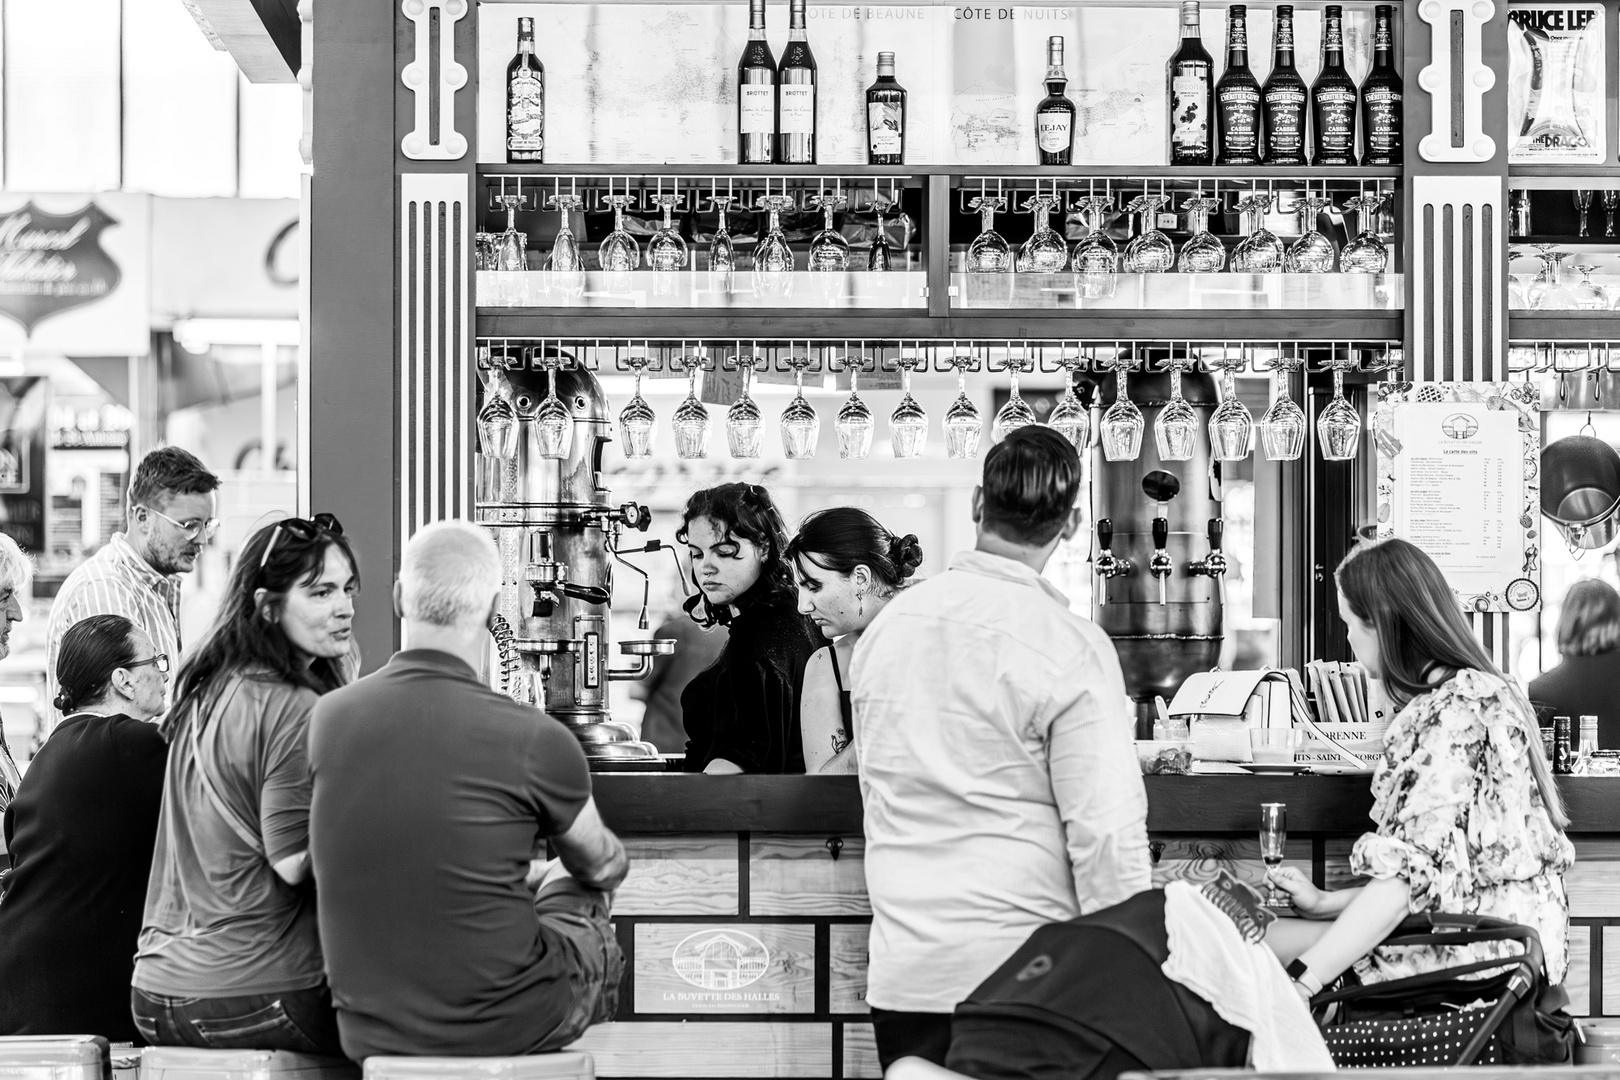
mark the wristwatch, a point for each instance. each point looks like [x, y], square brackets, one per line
[1301, 973]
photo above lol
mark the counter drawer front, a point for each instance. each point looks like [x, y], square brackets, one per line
[725, 968]
[797, 875]
[846, 967]
[860, 1053]
[679, 875]
[709, 1049]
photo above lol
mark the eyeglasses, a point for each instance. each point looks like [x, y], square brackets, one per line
[203, 527]
[305, 529]
[157, 660]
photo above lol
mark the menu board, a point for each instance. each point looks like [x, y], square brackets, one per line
[1457, 470]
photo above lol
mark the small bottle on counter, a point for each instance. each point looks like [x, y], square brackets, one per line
[1562, 760]
[1588, 742]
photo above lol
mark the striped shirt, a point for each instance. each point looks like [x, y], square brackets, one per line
[114, 581]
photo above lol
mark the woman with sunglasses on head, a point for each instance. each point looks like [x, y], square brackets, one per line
[742, 713]
[848, 568]
[80, 832]
[228, 954]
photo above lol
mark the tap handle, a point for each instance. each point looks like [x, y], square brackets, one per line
[1161, 532]
[1216, 527]
[1105, 533]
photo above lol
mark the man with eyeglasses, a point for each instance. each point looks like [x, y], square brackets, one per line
[137, 573]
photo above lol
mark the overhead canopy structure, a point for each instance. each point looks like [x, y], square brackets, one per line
[261, 35]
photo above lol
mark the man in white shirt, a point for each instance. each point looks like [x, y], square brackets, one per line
[994, 736]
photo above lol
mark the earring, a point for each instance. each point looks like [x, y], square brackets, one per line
[860, 604]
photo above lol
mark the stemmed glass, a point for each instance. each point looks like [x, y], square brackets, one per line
[565, 257]
[722, 255]
[773, 258]
[1548, 292]
[1282, 428]
[1069, 416]
[854, 423]
[510, 248]
[553, 422]
[1150, 252]
[1260, 252]
[829, 251]
[1175, 432]
[1312, 253]
[1588, 296]
[908, 424]
[1203, 253]
[498, 419]
[963, 424]
[1273, 839]
[1517, 295]
[1583, 203]
[637, 423]
[1611, 199]
[666, 250]
[1096, 256]
[619, 252]
[691, 419]
[801, 427]
[1231, 427]
[879, 255]
[1120, 429]
[1338, 429]
[1016, 413]
[1366, 254]
[745, 424]
[989, 253]
[1045, 252]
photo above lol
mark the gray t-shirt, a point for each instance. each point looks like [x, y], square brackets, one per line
[219, 921]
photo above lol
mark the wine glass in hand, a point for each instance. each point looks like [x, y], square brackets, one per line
[1273, 838]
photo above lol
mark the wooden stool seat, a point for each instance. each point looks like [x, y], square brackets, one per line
[189, 1063]
[53, 1057]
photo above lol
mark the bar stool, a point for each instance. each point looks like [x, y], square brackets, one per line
[564, 1065]
[53, 1057]
[187, 1063]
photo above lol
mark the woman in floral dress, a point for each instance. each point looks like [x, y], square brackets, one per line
[1468, 818]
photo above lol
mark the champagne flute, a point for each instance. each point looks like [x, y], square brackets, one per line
[1045, 252]
[666, 250]
[989, 253]
[722, 255]
[1312, 253]
[854, 422]
[1016, 413]
[1282, 428]
[1150, 251]
[1611, 199]
[963, 424]
[880, 256]
[553, 422]
[619, 252]
[829, 251]
[1231, 427]
[1203, 253]
[745, 424]
[1583, 203]
[908, 424]
[1121, 426]
[1338, 429]
[1175, 432]
[637, 422]
[801, 427]
[1273, 839]
[1260, 252]
[1366, 254]
[691, 419]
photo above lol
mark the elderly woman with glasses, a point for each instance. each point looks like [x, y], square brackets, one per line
[80, 832]
[228, 955]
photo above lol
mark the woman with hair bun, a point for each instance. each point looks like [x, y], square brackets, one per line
[848, 568]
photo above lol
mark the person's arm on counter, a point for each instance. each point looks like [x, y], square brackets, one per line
[591, 852]
[821, 718]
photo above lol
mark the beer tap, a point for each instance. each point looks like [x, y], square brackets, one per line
[1161, 487]
[1108, 564]
[1214, 564]
[1160, 565]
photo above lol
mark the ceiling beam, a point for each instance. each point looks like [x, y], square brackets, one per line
[261, 35]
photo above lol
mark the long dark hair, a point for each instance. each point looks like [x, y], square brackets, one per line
[1398, 590]
[92, 649]
[841, 538]
[746, 511]
[245, 636]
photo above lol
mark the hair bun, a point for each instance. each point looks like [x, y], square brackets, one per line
[63, 701]
[906, 554]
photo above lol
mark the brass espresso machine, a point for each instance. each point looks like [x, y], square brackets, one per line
[542, 430]
[1160, 572]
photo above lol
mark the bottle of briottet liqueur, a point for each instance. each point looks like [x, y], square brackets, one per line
[1333, 98]
[1192, 95]
[1381, 98]
[885, 116]
[525, 100]
[756, 93]
[1054, 116]
[796, 95]
[1237, 96]
[1284, 97]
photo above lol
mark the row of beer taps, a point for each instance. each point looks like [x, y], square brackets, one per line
[1160, 487]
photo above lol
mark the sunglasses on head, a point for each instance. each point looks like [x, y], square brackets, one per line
[305, 529]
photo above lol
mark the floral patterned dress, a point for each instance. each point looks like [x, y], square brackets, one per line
[1461, 821]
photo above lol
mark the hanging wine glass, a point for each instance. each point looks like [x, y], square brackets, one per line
[565, 255]
[619, 252]
[722, 255]
[1366, 254]
[1338, 429]
[745, 424]
[989, 253]
[801, 427]
[1203, 253]
[1150, 252]
[829, 251]
[1312, 253]
[773, 258]
[1045, 252]
[1583, 203]
[637, 422]
[691, 420]
[498, 419]
[666, 250]
[1175, 431]
[1016, 413]
[908, 424]
[1231, 427]
[511, 249]
[1282, 428]
[1260, 252]
[1121, 426]
[553, 421]
[1096, 256]
[1069, 416]
[854, 423]
[963, 424]
[879, 256]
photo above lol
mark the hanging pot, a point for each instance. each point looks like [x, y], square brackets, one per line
[1580, 490]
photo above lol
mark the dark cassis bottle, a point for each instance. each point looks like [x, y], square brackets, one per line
[1381, 97]
[1237, 97]
[1333, 98]
[1284, 98]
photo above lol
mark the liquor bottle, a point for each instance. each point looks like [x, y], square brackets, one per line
[1333, 98]
[885, 116]
[756, 93]
[1237, 96]
[796, 95]
[525, 100]
[1381, 99]
[1283, 97]
[1563, 761]
[1054, 116]
[1192, 95]
[1518, 212]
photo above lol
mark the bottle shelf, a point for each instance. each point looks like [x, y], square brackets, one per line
[719, 170]
[1225, 292]
[1532, 326]
[1563, 177]
[703, 290]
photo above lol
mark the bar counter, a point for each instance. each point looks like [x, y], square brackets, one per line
[744, 920]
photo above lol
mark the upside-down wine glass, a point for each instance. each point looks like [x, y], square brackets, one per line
[854, 422]
[908, 424]
[745, 424]
[1588, 296]
[1283, 426]
[1312, 253]
[829, 251]
[1069, 416]
[1045, 252]
[1366, 254]
[637, 422]
[1203, 253]
[963, 424]
[1583, 203]
[1175, 432]
[1548, 292]
[1260, 252]
[1150, 251]
[879, 256]
[1121, 426]
[564, 255]
[1338, 429]
[1231, 427]
[553, 422]
[801, 427]
[989, 253]
[619, 252]
[773, 258]
[666, 250]
[1096, 256]
[1611, 199]
[691, 420]
[1016, 413]
[498, 419]
[510, 250]
[722, 255]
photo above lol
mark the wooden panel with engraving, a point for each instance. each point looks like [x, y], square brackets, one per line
[725, 968]
[846, 967]
[679, 875]
[672, 1048]
[798, 875]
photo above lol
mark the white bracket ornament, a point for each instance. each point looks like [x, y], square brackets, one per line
[417, 78]
[1456, 81]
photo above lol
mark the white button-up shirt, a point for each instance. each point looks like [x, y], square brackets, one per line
[1001, 786]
